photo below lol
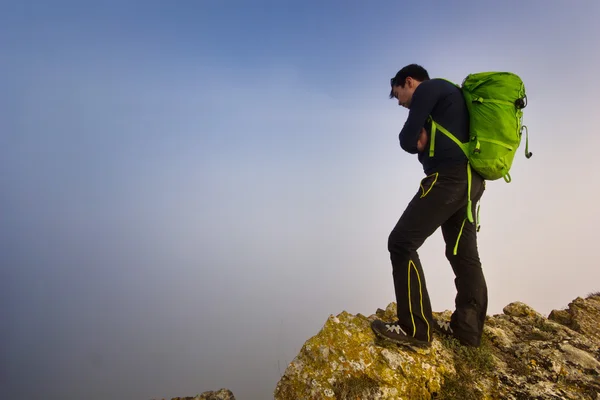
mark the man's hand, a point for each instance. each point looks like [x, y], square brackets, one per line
[422, 142]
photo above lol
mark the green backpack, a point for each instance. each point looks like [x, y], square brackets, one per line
[495, 101]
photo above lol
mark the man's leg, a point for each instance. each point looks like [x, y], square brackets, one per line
[471, 299]
[439, 197]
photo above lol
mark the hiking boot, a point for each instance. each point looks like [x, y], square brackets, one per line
[393, 332]
[442, 327]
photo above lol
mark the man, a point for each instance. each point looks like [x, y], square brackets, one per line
[441, 201]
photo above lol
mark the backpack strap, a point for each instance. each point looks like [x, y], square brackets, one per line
[434, 128]
[465, 148]
[432, 139]
[482, 100]
[469, 208]
[469, 202]
[458, 237]
[528, 154]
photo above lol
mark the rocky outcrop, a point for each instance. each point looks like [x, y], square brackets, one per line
[222, 394]
[523, 356]
[582, 315]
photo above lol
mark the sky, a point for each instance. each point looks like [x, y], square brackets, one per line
[189, 189]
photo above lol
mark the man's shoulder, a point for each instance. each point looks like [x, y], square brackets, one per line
[442, 84]
[437, 85]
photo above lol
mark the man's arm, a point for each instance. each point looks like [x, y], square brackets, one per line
[423, 139]
[424, 99]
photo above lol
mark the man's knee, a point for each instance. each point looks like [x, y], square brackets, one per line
[400, 242]
[465, 264]
[466, 250]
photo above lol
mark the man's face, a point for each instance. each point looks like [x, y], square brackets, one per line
[404, 94]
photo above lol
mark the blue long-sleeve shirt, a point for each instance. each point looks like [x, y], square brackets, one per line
[445, 103]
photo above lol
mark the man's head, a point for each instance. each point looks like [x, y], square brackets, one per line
[405, 82]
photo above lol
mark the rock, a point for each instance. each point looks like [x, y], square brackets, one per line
[355, 365]
[523, 355]
[222, 394]
[583, 315]
[518, 309]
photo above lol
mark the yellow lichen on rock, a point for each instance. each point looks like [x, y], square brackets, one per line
[345, 358]
[523, 355]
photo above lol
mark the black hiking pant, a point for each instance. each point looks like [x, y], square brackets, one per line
[440, 201]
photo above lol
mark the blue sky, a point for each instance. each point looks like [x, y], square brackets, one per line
[191, 188]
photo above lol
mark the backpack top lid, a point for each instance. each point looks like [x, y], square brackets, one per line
[497, 86]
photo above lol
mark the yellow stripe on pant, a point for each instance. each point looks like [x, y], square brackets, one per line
[412, 265]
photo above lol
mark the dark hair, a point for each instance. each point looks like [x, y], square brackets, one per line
[415, 71]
